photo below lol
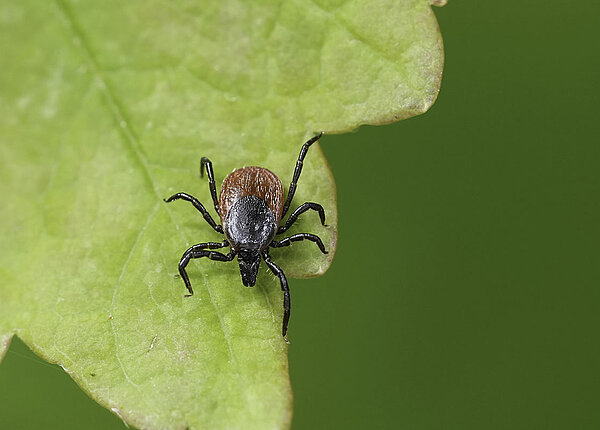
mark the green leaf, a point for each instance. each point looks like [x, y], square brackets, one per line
[105, 109]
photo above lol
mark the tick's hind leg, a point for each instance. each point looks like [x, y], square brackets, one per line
[284, 287]
[298, 237]
[300, 210]
[297, 172]
[211, 180]
[198, 251]
[193, 200]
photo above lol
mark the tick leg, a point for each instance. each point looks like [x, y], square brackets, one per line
[298, 237]
[193, 200]
[211, 180]
[284, 287]
[297, 172]
[300, 210]
[199, 251]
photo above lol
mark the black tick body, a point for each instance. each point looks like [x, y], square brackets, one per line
[251, 207]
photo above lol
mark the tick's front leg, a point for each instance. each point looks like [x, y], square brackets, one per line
[198, 251]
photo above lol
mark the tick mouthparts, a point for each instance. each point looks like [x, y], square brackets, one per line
[249, 272]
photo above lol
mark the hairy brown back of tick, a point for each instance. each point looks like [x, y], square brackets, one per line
[251, 181]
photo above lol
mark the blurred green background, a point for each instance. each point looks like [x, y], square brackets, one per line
[465, 289]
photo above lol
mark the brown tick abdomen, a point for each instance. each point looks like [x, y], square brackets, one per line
[251, 181]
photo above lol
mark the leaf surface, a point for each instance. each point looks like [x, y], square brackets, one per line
[105, 109]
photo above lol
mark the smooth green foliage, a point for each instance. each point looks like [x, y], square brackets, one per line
[106, 108]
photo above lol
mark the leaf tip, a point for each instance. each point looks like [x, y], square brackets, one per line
[5, 340]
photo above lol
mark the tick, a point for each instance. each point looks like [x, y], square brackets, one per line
[251, 208]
